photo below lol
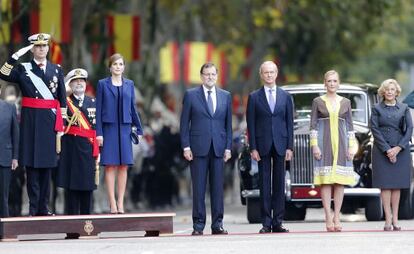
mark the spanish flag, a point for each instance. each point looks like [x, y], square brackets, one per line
[10, 28]
[169, 63]
[52, 17]
[237, 57]
[125, 33]
[56, 55]
[195, 55]
[219, 58]
[6, 10]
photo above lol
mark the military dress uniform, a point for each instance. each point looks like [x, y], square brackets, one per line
[41, 118]
[76, 171]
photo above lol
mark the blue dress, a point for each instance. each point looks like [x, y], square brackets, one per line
[115, 116]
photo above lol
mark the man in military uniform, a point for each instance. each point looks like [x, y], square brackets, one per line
[76, 171]
[43, 104]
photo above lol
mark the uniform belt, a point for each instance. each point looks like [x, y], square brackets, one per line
[90, 134]
[28, 102]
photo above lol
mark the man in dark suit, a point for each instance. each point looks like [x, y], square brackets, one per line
[77, 165]
[206, 135]
[9, 140]
[43, 104]
[270, 126]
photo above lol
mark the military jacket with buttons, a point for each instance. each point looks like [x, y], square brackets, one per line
[37, 134]
[391, 126]
[76, 169]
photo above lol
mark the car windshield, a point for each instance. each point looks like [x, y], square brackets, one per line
[303, 105]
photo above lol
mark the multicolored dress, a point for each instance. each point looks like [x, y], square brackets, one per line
[332, 130]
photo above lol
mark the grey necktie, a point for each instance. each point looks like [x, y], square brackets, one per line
[271, 100]
[210, 103]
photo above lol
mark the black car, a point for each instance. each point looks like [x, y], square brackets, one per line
[300, 191]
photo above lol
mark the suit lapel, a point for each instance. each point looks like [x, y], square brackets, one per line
[203, 100]
[263, 100]
[111, 87]
[279, 99]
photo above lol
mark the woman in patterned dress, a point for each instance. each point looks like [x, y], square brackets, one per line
[332, 142]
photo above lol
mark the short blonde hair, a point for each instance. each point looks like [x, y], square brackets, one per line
[330, 73]
[385, 84]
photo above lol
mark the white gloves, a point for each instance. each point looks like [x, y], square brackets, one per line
[21, 52]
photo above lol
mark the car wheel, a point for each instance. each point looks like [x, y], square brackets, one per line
[253, 210]
[405, 210]
[294, 211]
[373, 209]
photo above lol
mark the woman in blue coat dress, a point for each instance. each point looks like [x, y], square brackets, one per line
[115, 117]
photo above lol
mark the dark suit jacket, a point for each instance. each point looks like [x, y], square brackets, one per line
[265, 127]
[9, 134]
[106, 103]
[198, 129]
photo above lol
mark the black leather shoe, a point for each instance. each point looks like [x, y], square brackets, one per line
[219, 231]
[279, 229]
[265, 230]
[196, 232]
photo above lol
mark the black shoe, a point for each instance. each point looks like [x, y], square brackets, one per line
[279, 229]
[265, 230]
[219, 231]
[196, 232]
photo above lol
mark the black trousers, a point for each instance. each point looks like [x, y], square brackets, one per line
[5, 173]
[78, 202]
[38, 190]
[272, 188]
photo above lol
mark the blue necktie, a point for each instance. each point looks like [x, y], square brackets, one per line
[210, 103]
[271, 100]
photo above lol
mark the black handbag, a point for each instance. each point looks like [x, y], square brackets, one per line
[134, 136]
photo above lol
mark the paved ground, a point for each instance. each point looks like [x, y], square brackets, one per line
[359, 236]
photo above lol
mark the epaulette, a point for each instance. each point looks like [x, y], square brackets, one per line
[6, 69]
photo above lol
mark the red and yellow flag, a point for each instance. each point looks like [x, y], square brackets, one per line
[125, 32]
[56, 55]
[169, 63]
[5, 8]
[52, 17]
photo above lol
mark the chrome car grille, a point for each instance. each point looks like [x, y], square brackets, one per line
[301, 168]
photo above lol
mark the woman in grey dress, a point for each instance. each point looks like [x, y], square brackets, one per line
[391, 127]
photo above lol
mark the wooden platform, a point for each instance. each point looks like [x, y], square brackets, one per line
[74, 226]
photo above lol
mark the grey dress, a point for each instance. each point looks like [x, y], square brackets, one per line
[387, 126]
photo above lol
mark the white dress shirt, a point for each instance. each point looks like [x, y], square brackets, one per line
[213, 96]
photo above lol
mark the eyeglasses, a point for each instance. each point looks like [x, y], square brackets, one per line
[209, 74]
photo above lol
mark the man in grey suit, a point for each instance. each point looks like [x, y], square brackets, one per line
[9, 140]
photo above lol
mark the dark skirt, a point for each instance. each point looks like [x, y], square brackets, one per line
[387, 175]
[117, 145]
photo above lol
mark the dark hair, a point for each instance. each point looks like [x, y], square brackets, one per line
[208, 65]
[115, 57]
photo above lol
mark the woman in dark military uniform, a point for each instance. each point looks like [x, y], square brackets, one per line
[391, 126]
[76, 172]
[43, 104]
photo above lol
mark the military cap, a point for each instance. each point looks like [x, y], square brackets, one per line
[75, 74]
[39, 39]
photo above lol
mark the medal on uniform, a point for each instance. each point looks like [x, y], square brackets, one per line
[55, 79]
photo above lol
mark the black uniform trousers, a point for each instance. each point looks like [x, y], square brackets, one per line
[38, 190]
[272, 188]
[78, 202]
[5, 174]
[200, 167]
